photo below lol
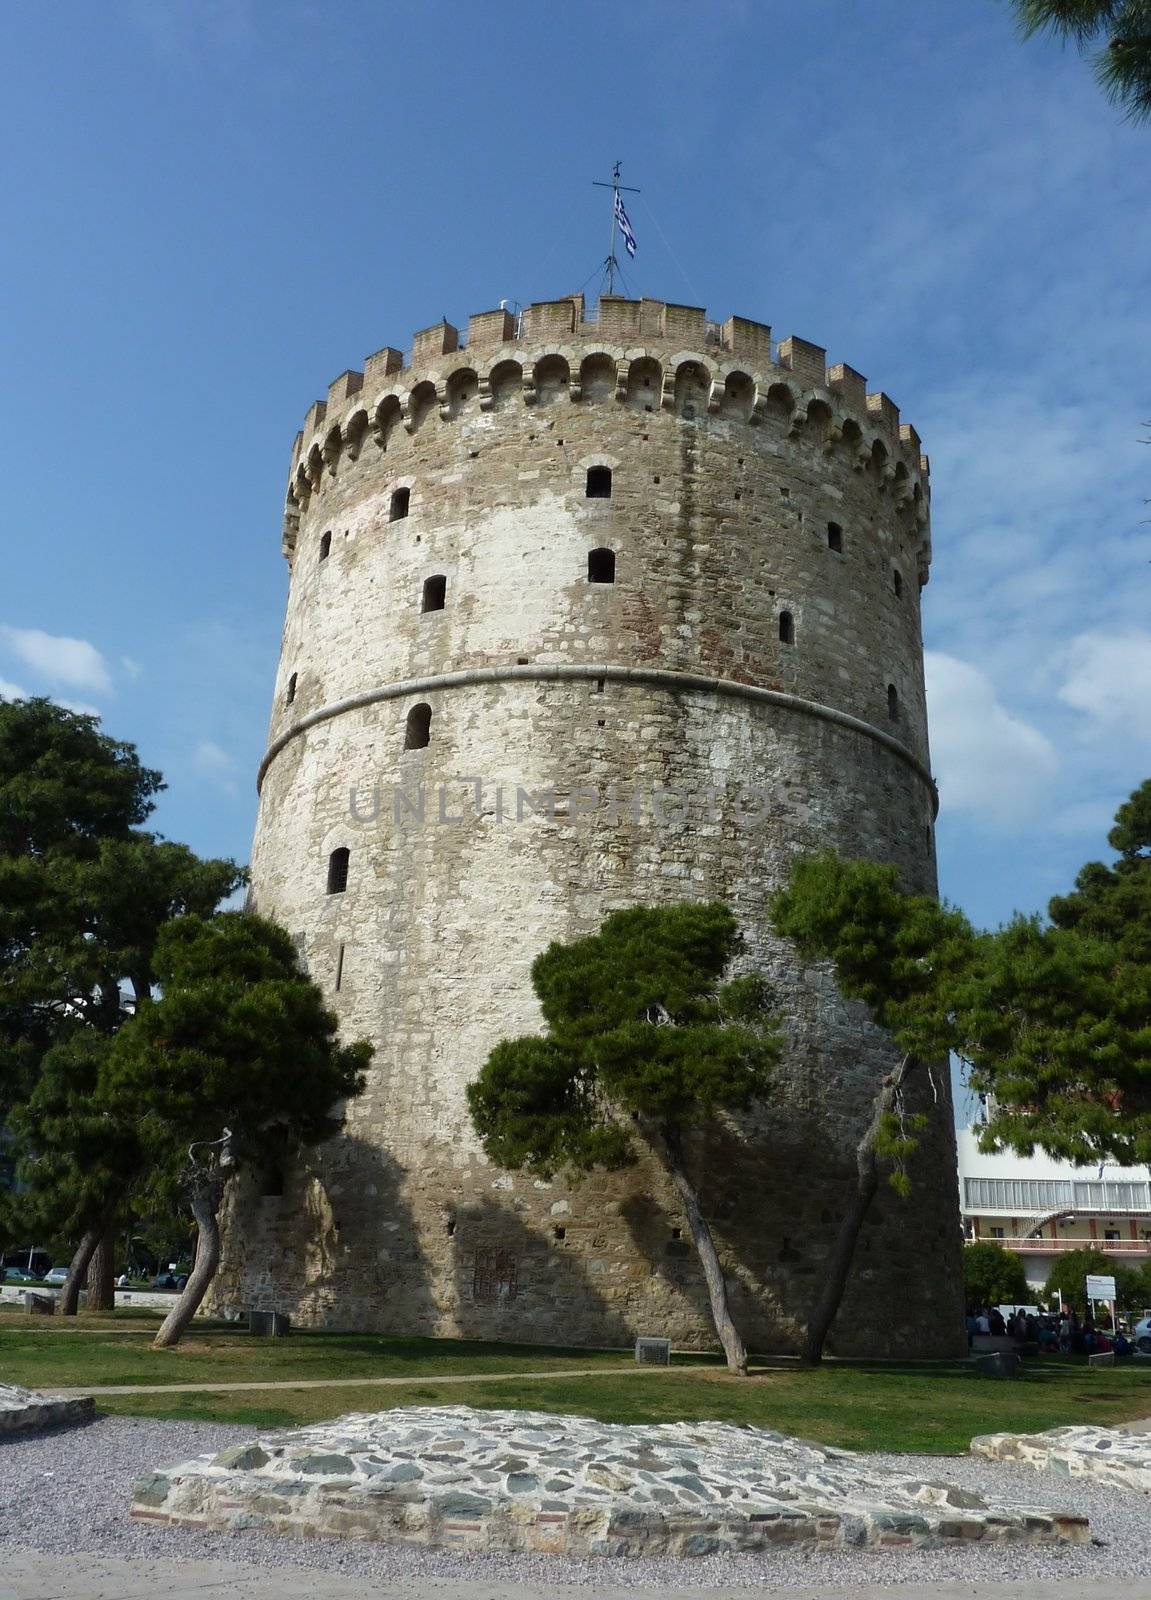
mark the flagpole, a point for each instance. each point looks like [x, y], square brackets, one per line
[611, 265]
[611, 250]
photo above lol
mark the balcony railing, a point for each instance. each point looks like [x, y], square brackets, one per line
[1048, 1247]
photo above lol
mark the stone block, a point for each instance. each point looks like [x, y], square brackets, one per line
[997, 1364]
[653, 1352]
[269, 1324]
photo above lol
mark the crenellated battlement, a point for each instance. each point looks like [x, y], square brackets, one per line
[697, 366]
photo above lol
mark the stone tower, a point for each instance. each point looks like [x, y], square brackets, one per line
[587, 611]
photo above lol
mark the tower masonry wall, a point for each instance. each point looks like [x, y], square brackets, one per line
[655, 683]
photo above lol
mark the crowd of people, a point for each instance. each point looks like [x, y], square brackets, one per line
[1061, 1332]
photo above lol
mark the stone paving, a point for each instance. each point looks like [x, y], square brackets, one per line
[533, 1481]
[24, 1408]
[1112, 1454]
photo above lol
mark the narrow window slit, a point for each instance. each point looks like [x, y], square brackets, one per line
[338, 870]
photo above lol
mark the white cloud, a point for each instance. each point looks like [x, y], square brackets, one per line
[11, 691]
[1109, 679]
[213, 761]
[208, 756]
[73, 662]
[990, 763]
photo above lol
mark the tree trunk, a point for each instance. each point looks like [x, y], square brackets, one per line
[206, 1198]
[101, 1275]
[666, 1146]
[77, 1271]
[837, 1268]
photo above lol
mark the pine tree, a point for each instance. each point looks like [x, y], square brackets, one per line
[1122, 31]
[893, 951]
[646, 1044]
[84, 891]
[236, 1061]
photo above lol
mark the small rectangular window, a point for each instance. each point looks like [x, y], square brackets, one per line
[401, 500]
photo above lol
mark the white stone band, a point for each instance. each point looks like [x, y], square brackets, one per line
[568, 672]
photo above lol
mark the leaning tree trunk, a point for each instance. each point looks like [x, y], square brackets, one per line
[667, 1147]
[838, 1267]
[77, 1271]
[205, 1188]
[101, 1284]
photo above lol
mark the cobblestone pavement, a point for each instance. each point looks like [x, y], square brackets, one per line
[539, 1482]
[1118, 1456]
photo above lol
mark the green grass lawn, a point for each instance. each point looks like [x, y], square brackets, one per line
[934, 1408]
[43, 1355]
[933, 1412]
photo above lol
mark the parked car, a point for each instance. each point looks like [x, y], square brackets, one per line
[1141, 1336]
[18, 1275]
[57, 1275]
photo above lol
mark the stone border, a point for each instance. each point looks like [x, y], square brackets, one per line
[25, 1410]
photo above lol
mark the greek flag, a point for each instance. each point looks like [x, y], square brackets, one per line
[624, 221]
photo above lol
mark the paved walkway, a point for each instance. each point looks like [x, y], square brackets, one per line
[28, 1576]
[632, 1371]
[85, 1577]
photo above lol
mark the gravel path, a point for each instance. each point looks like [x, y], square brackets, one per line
[68, 1492]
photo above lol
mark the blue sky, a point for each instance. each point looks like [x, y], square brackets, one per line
[212, 207]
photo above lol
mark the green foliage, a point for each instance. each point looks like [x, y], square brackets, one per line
[891, 950]
[641, 1029]
[65, 784]
[1056, 1021]
[78, 1156]
[1068, 1280]
[238, 1039]
[1121, 28]
[993, 1276]
[896, 1141]
[84, 893]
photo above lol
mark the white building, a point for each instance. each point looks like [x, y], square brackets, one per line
[1040, 1207]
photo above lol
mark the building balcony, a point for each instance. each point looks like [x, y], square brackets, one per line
[1054, 1247]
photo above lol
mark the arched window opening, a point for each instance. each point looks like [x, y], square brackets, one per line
[601, 566]
[418, 728]
[893, 702]
[325, 546]
[435, 589]
[786, 628]
[507, 385]
[400, 503]
[291, 691]
[834, 537]
[897, 582]
[598, 483]
[338, 871]
[644, 382]
[551, 380]
[597, 378]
